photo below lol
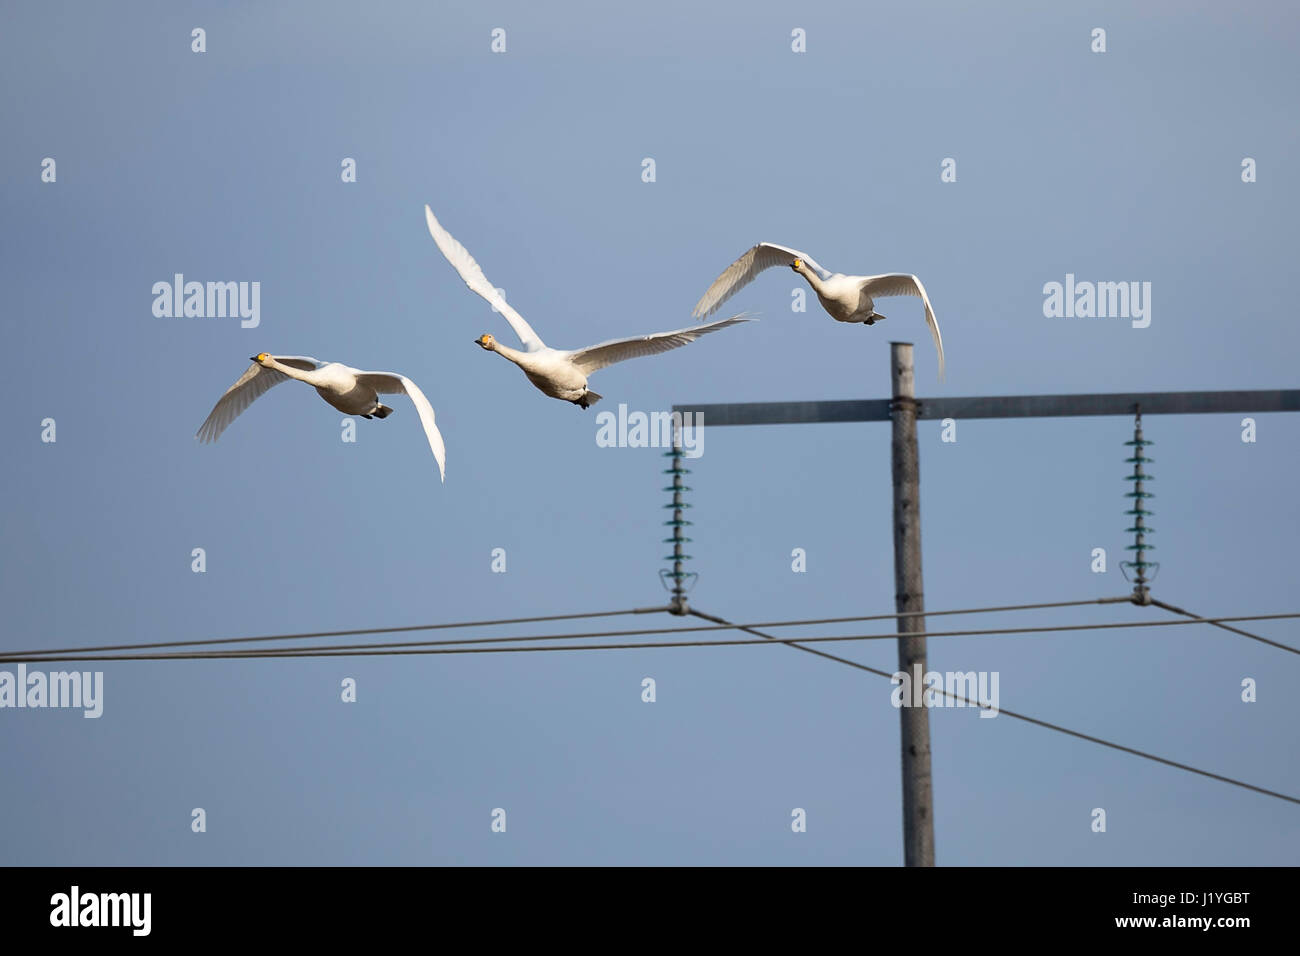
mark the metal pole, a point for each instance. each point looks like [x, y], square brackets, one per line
[909, 595]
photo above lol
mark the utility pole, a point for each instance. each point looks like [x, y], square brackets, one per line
[909, 598]
[903, 409]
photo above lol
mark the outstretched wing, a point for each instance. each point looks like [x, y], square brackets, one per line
[618, 350]
[250, 386]
[390, 383]
[744, 270]
[900, 283]
[469, 270]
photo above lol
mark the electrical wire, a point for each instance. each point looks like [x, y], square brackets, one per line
[636, 632]
[6, 655]
[343, 633]
[424, 650]
[1043, 723]
[720, 624]
[1235, 630]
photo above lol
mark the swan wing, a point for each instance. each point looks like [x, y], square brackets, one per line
[390, 383]
[470, 271]
[249, 387]
[901, 283]
[596, 357]
[744, 270]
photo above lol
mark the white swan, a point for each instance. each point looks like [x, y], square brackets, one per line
[845, 298]
[559, 373]
[350, 390]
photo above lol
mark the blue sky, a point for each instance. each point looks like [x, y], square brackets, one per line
[225, 166]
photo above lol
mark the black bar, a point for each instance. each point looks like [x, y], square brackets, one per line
[322, 906]
[1002, 406]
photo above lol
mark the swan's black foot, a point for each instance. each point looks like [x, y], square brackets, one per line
[367, 416]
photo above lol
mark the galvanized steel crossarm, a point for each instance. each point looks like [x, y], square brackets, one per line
[1258, 401]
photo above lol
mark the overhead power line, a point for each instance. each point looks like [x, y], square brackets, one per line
[343, 633]
[1036, 721]
[526, 620]
[424, 649]
[811, 650]
[1235, 630]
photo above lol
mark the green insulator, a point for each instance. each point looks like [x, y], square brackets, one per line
[681, 505]
[678, 488]
[679, 522]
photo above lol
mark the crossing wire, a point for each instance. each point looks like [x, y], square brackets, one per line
[723, 624]
[424, 650]
[1234, 630]
[342, 633]
[1047, 724]
[9, 655]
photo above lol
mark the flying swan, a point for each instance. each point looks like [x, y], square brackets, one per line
[559, 373]
[350, 390]
[845, 298]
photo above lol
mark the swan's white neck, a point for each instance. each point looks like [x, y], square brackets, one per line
[507, 352]
[300, 374]
[813, 278]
